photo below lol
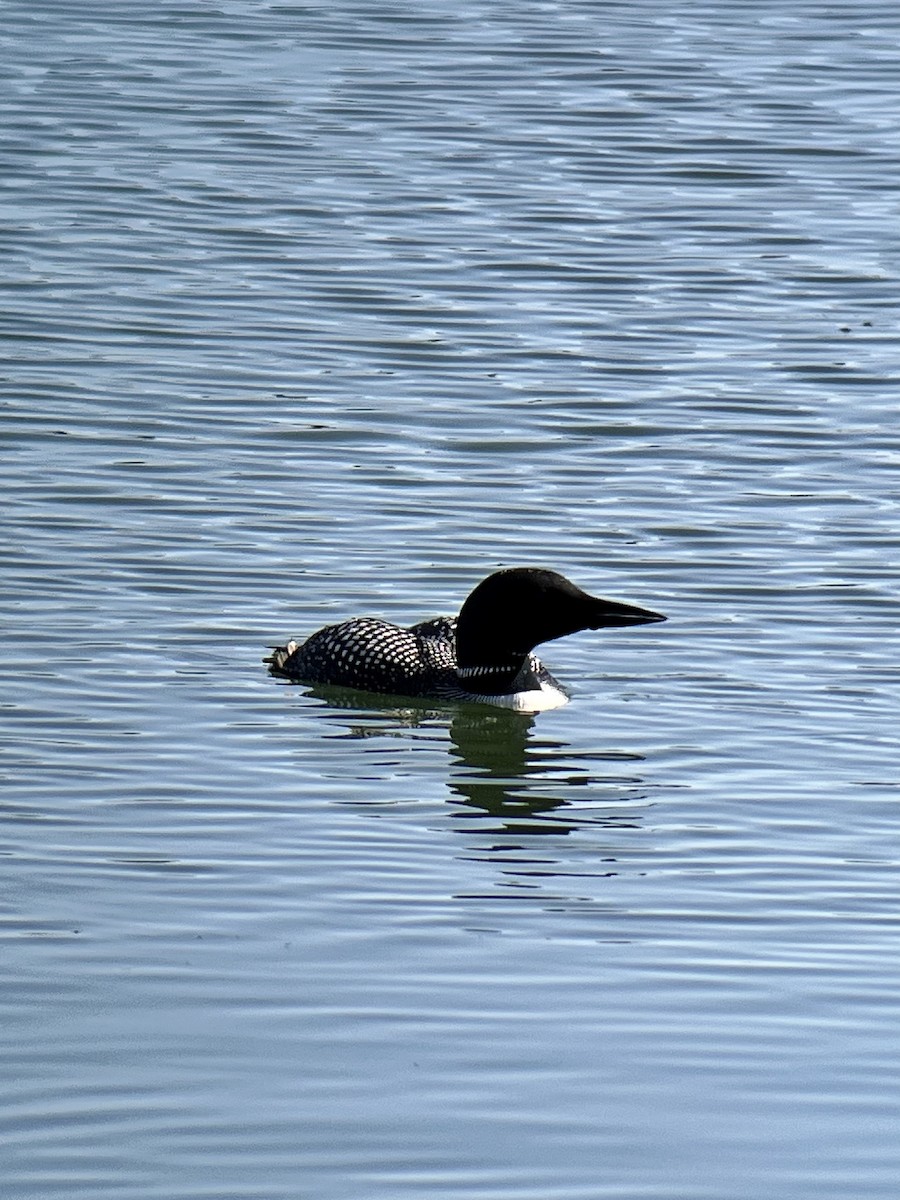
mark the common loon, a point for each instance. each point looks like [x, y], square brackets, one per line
[483, 655]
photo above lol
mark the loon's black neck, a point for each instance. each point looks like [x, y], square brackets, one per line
[499, 678]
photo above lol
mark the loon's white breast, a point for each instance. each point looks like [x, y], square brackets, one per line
[540, 699]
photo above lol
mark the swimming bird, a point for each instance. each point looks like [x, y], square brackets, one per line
[484, 655]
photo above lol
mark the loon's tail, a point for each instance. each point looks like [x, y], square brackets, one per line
[279, 656]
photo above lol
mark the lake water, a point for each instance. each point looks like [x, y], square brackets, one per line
[317, 310]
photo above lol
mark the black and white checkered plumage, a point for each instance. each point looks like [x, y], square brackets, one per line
[374, 656]
[484, 655]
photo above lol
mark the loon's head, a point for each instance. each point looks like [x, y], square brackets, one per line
[511, 612]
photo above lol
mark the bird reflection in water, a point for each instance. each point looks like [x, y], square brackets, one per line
[500, 769]
[527, 784]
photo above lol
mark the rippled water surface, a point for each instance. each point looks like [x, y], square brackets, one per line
[311, 311]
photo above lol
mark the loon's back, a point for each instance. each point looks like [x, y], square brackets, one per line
[375, 656]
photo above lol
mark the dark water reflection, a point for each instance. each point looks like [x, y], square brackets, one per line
[499, 765]
[526, 783]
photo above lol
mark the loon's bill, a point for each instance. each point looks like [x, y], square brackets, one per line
[484, 655]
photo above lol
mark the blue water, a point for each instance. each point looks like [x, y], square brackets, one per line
[316, 311]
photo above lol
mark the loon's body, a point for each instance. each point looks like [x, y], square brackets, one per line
[484, 655]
